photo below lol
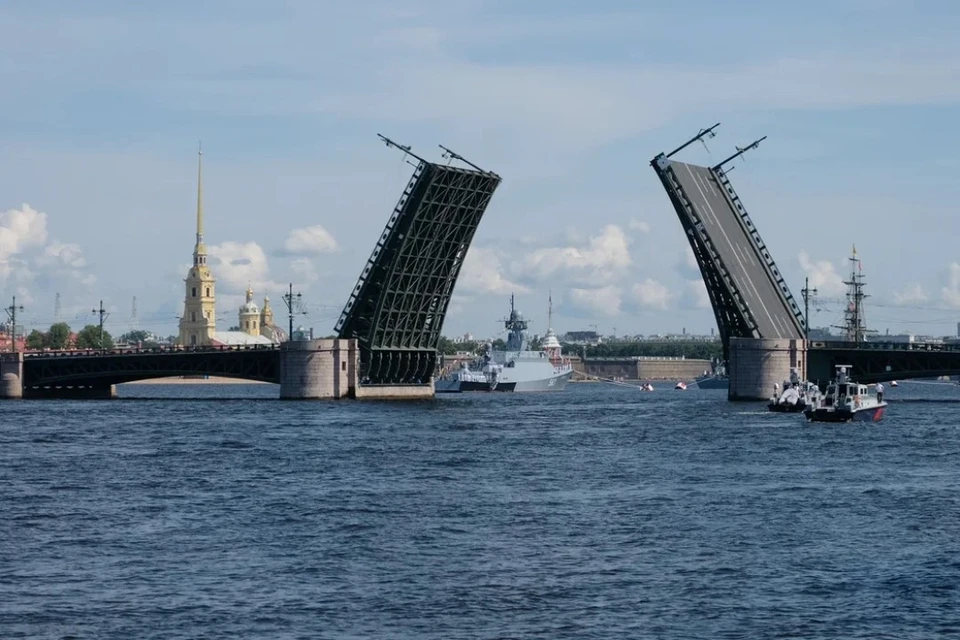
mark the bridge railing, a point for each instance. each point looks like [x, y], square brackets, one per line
[886, 346]
[67, 353]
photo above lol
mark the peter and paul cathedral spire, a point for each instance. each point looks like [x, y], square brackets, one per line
[198, 324]
[199, 251]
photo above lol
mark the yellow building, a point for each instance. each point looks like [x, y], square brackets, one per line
[199, 322]
[250, 315]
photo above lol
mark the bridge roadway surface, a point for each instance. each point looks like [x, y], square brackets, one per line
[732, 240]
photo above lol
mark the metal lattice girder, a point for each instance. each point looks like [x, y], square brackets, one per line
[261, 364]
[749, 296]
[397, 308]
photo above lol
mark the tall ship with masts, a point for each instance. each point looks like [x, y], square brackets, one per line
[516, 368]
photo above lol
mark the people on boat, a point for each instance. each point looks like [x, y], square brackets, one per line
[879, 392]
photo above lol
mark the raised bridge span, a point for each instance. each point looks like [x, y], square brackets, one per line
[387, 334]
[761, 326]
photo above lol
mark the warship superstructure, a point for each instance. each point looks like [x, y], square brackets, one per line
[516, 368]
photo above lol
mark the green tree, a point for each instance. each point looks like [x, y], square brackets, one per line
[446, 347]
[137, 335]
[36, 340]
[89, 338]
[691, 349]
[58, 337]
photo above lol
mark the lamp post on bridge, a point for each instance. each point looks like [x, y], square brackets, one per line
[103, 314]
[806, 291]
[12, 314]
[294, 306]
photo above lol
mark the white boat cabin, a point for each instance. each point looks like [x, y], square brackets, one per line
[842, 393]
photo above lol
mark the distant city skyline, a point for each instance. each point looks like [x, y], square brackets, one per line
[567, 103]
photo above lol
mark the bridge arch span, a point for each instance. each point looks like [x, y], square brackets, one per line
[90, 370]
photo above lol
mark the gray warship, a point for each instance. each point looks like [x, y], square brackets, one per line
[514, 369]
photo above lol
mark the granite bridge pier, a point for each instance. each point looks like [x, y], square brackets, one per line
[387, 334]
[762, 328]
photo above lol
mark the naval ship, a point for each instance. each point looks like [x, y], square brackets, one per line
[514, 369]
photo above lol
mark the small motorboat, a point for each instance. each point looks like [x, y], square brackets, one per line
[846, 401]
[893, 383]
[646, 386]
[681, 386]
[797, 395]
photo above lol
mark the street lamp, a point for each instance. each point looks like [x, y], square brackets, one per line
[294, 306]
[103, 314]
[12, 314]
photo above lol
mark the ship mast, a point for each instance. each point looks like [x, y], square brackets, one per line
[550, 310]
[854, 321]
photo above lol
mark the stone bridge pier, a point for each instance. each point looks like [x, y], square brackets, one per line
[755, 365]
[315, 369]
[11, 375]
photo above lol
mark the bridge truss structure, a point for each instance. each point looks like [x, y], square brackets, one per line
[749, 296]
[397, 308]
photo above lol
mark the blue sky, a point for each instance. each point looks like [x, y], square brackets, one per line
[104, 102]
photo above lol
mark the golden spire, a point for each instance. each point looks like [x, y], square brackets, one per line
[199, 194]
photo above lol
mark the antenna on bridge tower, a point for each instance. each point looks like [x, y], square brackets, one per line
[740, 152]
[403, 147]
[703, 133]
[57, 311]
[133, 315]
[447, 153]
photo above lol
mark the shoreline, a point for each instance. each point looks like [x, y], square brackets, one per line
[182, 380]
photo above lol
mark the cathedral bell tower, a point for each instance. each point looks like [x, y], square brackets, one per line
[198, 324]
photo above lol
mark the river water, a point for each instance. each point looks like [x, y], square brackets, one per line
[597, 512]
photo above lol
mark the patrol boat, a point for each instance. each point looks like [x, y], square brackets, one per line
[846, 401]
[514, 369]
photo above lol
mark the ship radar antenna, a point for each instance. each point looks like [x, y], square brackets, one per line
[550, 309]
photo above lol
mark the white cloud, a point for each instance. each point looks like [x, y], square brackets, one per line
[483, 272]
[30, 264]
[310, 240]
[823, 275]
[911, 294]
[21, 229]
[603, 301]
[639, 225]
[603, 261]
[65, 254]
[651, 294]
[950, 294]
[238, 264]
[304, 270]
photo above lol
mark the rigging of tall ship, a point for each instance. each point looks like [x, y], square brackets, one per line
[516, 368]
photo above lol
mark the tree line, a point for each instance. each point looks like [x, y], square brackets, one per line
[697, 350]
[60, 336]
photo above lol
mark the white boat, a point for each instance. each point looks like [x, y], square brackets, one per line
[797, 395]
[646, 386]
[681, 386]
[846, 401]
